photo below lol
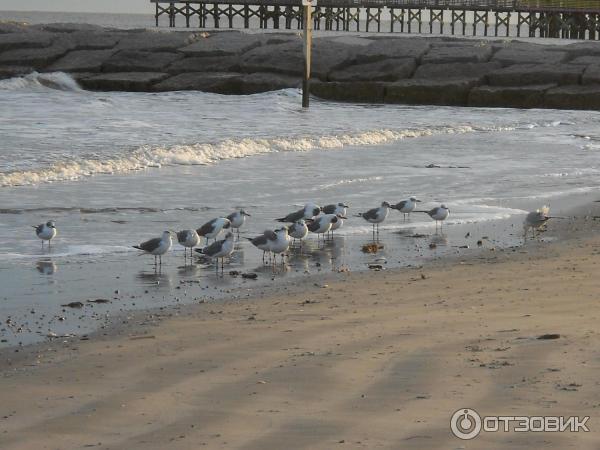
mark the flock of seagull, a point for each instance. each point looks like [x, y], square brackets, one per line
[312, 218]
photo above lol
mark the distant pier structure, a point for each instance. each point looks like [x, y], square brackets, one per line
[568, 19]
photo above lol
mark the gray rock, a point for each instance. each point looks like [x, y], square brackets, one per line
[123, 81]
[156, 41]
[37, 58]
[430, 92]
[386, 70]
[573, 97]
[455, 70]
[509, 96]
[83, 40]
[206, 64]
[14, 71]
[591, 75]
[585, 60]
[439, 54]
[38, 39]
[66, 27]
[224, 43]
[393, 48]
[254, 83]
[525, 55]
[328, 55]
[200, 81]
[82, 61]
[582, 49]
[526, 74]
[137, 61]
[358, 91]
[281, 58]
[14, 27]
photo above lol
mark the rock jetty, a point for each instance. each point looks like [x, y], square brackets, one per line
[375, 69]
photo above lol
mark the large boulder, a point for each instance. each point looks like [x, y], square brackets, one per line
[199, 81]
[14, 71]
[430, 92]
[224, 43]
[573, 97]
[329, 54]
[523, 74]
[455, 70]
[254, 83]
[84, 40]
[509, 96]
[38, 58]
[385, 70]
[385, 48]
[591, 75]
[585, 60]
[205, 64]
[13, 27]
[38, 39]
[582, 49]
[465, 52]
[284, 58]
[137, 61]
[528, 55]
[156, 41]
[123, 81]
[358, 91]
[82, 61]
[67, 27]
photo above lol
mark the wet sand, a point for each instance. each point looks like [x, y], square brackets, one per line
[352, 360]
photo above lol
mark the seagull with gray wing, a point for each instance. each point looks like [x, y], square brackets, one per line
[211, 229]
[157, 246]
[188, 239]
[439, 214]
[406, 206]
[376, 215]
[219, 250]
[237, 219]
[45, 231]
[263, 242]
[309, 211]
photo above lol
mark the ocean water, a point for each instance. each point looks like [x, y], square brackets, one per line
[113, 169]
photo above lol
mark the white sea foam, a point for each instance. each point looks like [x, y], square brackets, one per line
[210, 153]
[53, 80]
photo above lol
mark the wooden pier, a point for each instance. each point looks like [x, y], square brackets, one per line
[567, 19]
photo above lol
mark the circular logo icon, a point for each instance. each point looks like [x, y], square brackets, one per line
[465, 423]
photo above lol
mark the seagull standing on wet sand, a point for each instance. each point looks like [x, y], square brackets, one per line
[298, 230]
[280, 244]
[376, 215]
[210, 230]
[189, 239]
[439, 214]
[322, 224]
[309, 211]
[406, 206]
[219, 250]
[45, 231]
[262, 242]
[339, 209]
[157, 246]
[536, 220]
[237, 219]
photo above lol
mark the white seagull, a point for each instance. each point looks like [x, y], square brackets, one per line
[219, 250]
[439, 214]
[280, 244]
[237, 219]
[309, 211]
[262, 242]
[210, 230]
[298, 230]
[45, 231]
[322, 224]
[337, 208]
[189, 239]
[376, 215]
[157, 246]
[406, 206]
[536, 220]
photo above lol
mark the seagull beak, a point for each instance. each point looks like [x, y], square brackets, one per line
[246, 214]
[342, 217]
[419, 201]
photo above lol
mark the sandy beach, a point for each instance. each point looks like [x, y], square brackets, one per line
[358, 360]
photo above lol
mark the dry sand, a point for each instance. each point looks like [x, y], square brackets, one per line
[371, 360]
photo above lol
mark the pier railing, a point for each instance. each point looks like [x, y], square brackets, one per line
[569, 19]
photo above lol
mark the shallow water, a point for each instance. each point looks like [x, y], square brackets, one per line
[113, 169]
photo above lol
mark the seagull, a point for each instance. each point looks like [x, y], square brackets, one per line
[338, 223]
[157, 246]
[219, 249]
[338, 208]
[210, 230]
[280, 244]
[439, 214]
[322, 224]
[45, 231]
[237, 219]
[298, 230]
[262, 242]
[309, 211]
[189, 239]
[376, 215]
[536, 220]
[406, 206]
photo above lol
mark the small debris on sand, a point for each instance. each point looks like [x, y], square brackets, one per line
[73, 305]
[249, 276]
[99, 300]
[372, 248]
[549, 336]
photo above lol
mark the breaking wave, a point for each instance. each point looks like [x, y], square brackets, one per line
[210, 153]
[53, 80]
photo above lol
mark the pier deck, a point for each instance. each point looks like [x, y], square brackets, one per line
[567, 19]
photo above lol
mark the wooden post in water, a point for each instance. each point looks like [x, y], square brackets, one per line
[307, 5]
